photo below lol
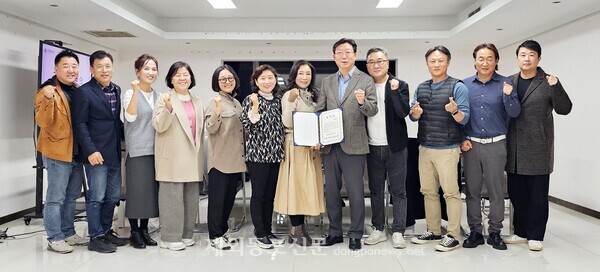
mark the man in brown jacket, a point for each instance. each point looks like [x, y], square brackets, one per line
[56, 143]
[530, 145]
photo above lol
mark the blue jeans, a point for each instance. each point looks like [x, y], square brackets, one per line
[382, 164]
[64, 187]
[104, 183]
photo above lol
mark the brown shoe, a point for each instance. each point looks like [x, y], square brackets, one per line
[296, 234]
[308, 240]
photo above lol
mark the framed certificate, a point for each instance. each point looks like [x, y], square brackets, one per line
[311, 128]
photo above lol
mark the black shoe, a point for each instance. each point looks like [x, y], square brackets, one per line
[136, 240]
[332, 240]
[264, 242]
[276, 240]
[474, 239]
[111, 236]
[355, 244]
[147, 239]
[101, 245]
[496, 241]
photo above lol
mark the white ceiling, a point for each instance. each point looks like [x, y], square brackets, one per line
[172, 24]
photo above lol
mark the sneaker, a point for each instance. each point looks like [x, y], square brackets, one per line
[60, 246]
[495, 241]
[447, 244]
[175, 246]
[535, 245]
[220, 243]
[426, 238]
[188, 242]
[76, 240]
[276, 240]
[101, 245]
[229, 239]
[264, 242]
[515, 239]
[398, 240]
[475, 238]
[112, 237]
[375, 237]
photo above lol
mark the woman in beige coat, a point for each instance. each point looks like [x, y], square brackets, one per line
[300, 185]
[178, 120]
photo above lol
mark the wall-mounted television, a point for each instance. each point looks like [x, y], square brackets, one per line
[49, 50]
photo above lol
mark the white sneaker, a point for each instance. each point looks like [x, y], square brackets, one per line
[535, 245]
[76, 240]
[59, 247]
[229, 239]
[220, 243]
[175, 246]
[398, 240]
[375, 237]
[514, 239]
[188, 242]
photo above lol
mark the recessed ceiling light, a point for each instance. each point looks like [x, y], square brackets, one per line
[499, 29]
[188, 43]
[109, 29]
[54, 5]
[268, 43]
[222, 4]
[389, 3]
[556, 2]
[426, 41]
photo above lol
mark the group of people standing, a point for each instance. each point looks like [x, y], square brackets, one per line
[495, 127]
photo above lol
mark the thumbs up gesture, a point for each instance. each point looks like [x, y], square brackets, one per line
[507, 88]
[451, 107]
[552, 80]
[417, 110]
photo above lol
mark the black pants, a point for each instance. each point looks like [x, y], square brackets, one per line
[529, 196]
[263, 177]
[221, 196]
[297, 220]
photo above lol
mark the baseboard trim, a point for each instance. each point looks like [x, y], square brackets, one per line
[575, 207]
[15, 216]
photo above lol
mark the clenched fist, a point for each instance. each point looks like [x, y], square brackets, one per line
[360, 96]
[417, 110]
[552, 80]
[294, 93]
[49, 91]
[507, 88]
[394, 84]
[135, 85]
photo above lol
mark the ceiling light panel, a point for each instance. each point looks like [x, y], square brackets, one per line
[389, 3]
[222, 4]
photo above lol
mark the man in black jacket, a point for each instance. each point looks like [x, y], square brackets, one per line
[387, 148]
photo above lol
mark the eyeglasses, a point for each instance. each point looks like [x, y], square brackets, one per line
[224, 80]
[379, 62]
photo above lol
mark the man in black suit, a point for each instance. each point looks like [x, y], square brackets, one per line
[98, 129]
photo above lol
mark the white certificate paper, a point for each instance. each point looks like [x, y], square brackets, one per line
[311, 128]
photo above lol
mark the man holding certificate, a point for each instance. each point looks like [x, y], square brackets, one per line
[354, 92]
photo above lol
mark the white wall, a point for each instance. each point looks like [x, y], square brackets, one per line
[18, 74]
[571, 53]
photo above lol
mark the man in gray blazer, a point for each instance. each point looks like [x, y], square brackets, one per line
[354, 92]
[530, 145]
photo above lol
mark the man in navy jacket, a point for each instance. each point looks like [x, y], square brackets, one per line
[98, 129]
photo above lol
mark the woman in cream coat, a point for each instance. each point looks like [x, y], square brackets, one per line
[300, 184]
[178, 120]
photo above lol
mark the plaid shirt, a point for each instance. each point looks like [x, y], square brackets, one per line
[109, 91]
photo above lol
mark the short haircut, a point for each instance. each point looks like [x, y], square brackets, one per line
[142, 60]
[100, 54]
[173, 70]
[215, 78]
[65, 54]
[377, 49]
[440, 48]
[489, 46]
[343, 41]
[256, 74]
[294, 73]
[531, 45]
